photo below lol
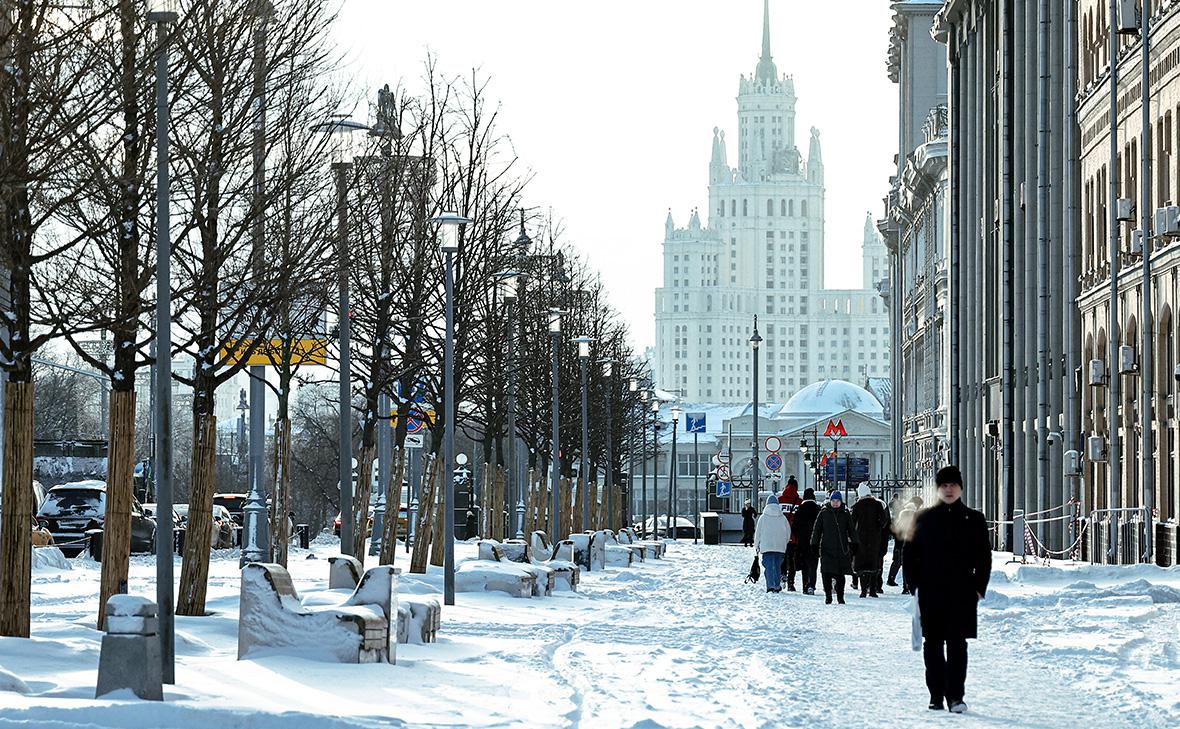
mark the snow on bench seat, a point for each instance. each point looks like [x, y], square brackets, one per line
[477, 575]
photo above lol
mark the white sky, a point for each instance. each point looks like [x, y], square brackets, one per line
[612, 104]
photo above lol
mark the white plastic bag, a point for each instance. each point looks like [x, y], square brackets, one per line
[916, 631]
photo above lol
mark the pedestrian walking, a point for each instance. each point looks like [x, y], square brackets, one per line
[948, 565]
[748, 516]
[771, 536]
[836, 539]
[789, 501]
[903, 532]
[808, 555]
[871, 521]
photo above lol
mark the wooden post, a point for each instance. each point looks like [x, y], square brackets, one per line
[116, 527]
[438, 543]
[360, 501]
[425, 521]
[16, 550]
[281, 492]
[393, 500]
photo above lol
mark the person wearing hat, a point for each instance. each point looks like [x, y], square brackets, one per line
[871, 519]
[771, 536]
[836, 539]
[808, 556]
[948, 565]
[789, 500]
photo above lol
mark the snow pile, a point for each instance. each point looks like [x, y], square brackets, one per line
[49, 558]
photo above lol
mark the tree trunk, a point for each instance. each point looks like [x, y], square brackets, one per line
[281, 490]
[425, 521]
[194, 572]
[438, 544]
[393, 502]
[360, 501]
[16, 518]
[116, 527]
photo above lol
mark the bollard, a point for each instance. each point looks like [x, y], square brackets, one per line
[1018, 527]
[179, 539]
[304, 537]
[130, 657]
[94, 544]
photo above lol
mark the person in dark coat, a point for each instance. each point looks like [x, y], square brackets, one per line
[903, 531]
[749, 514]
[834, 535]
[789, 501]
[948, 565]
[808, 555]
[871, 520]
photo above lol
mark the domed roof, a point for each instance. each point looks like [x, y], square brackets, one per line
[829, 397]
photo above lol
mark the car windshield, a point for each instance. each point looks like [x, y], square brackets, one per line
[74, 502]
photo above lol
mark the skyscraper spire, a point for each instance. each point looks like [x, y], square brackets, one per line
[766, 73]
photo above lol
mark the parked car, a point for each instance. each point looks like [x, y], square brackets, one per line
[222, 532]
[72, 509]
[234, 504]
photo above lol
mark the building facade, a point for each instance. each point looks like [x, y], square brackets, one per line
[761, 253]
[1014, 350]
[915, 233]
[1130, 485]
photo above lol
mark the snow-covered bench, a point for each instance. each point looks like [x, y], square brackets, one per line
[586, 550]
[273, 618]
[477, 575]
[654, 547]
[619, 555]
[541, 552]
[418, 619]
[493, 551]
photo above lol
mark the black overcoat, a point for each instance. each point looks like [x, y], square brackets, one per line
[871, 520]
[949, 563]
[836, 538]
[805, 516]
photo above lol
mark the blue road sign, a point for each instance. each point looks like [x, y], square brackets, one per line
[724, 488]
[774, 462]
[694, 422]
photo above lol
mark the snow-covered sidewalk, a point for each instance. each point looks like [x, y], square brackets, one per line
[677, 643]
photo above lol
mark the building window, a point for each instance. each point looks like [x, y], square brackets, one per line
[803, 208]
[745, 208]
[783, 208]
[770, 208]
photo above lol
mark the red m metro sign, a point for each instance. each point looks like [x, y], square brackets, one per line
[835, 429]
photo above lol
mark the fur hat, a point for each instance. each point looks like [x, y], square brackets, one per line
[862, 491]
[948, 474]
[809, 493]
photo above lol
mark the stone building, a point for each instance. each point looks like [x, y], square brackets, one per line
[761, 252]
[1161, 489]
[1015, 331]
[915, 232]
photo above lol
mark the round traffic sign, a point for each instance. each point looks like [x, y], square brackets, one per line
[774, 461]
[723, 473]
[774, 443]
[413, 425]
[723, 457]
[461, 459]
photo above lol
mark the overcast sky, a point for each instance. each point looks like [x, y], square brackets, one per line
[612, 104]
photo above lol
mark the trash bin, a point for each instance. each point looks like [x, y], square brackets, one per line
[712, 526]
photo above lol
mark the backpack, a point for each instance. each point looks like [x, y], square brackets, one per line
[755, 572]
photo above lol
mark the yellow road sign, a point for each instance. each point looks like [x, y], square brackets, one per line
[303, 351]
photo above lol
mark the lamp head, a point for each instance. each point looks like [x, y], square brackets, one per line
[584, 343]
[608, 367]
[448, 226]
[341, 146]
[675, 414]
[163, 11]
[555, 321]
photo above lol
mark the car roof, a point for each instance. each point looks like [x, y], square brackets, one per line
[81, 486]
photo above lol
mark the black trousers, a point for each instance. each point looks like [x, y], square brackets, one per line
[790, 566]
[898, 551]
[829, 578]
[808, 557]
[946, 674]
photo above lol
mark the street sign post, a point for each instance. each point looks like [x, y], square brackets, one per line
[724, 489]
[773, 444]
[694, 422]
[774, 462]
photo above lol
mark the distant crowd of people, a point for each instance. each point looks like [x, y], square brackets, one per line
[833, 539]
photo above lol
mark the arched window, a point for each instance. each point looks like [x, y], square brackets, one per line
[769, 208]
[791, 208]
[782, 208]
[721, 209]
[733, 207]
[803, 208]
[745, 208]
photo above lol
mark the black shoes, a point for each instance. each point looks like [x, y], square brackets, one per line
[790, 587]
[891, 583]
[840, 599]
[828, 600]
[935, 704]
[956, 706]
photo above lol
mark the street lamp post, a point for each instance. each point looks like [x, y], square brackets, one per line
[584, 343]
[655, 464]
[632, 386]
[673, 494]
[555, 438]
[609, 480]
[162, 13]
[449, 244]
[511, 281]
[756, 477]
[339, 132]
[643, 396]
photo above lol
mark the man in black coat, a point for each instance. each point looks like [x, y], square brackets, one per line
[835, 537]
[749, 514]
[871, 520]
[805, 516]
[948, 565]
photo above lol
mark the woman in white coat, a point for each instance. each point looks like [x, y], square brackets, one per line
[772, 533]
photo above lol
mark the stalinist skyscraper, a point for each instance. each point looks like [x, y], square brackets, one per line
[761, 253]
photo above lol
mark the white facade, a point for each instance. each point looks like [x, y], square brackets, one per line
[761, 254]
